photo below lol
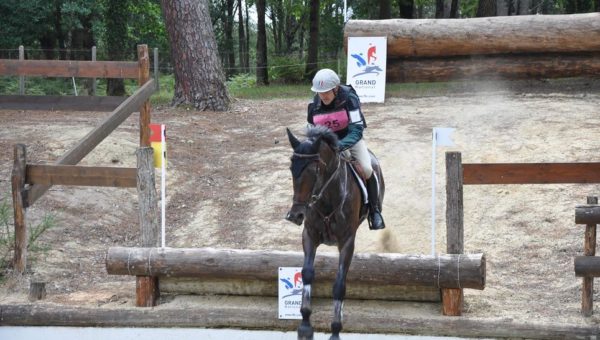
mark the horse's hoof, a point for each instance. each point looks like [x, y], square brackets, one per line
[305, 331]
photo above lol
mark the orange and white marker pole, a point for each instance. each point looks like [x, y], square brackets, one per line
[158, 142]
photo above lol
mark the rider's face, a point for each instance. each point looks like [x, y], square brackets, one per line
[327, 97]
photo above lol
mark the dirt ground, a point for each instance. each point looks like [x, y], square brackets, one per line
[228, 185]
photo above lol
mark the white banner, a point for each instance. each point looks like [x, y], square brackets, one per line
[290, 292]
[366, 67]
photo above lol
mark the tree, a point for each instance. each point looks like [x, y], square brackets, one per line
[486, 8]
[312, 58]
[262, 74]
[385, 9]
[199, 79]
[406, 8]
[116, 41]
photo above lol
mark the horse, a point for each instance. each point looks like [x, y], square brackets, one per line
[329, 201]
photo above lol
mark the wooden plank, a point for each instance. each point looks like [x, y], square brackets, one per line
[244, 313]
[69, 68]
[531, 173]
[452, 298]
[60, 103]
[97, 135]
[322, 288]
[589, 249]
[587, 266]
[18, 186]
[451, 270]
[81, 175]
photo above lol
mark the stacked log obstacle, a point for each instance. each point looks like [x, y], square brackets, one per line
[511, 47]
[588, 266]
[459, 174]
[31, 181]
[254, 272]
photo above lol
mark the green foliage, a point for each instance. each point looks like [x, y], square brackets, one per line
[272, 92]
[7, 238]
[286, 70]
[241, 81]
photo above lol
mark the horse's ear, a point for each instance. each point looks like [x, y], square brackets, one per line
[293, 140]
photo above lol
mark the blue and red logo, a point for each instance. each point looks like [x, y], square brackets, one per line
[293, 286]
[368, 66]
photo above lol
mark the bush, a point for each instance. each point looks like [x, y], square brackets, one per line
[241, 81]
[286, 70]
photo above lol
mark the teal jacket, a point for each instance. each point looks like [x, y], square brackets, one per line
[350, 130]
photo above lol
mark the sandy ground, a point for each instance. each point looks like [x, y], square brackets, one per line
[229, 186]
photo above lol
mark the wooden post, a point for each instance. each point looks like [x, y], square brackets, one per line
[21, 78]
[37, 291]
[18, 188]
[144, 76]
[587, 290]
[147, 286]
[452, 298]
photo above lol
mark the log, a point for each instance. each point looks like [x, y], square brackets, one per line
[69, 68]
[587, 266]
[50, 174]
[474, 36]
[18, 190]
[531, 173]
[485, 67]
[448, 271]
[587, 214]
[243, 313]
[321, 289]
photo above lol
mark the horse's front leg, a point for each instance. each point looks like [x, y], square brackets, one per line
[339, 287]
[305, 330]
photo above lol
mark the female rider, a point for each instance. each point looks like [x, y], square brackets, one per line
[338, 107]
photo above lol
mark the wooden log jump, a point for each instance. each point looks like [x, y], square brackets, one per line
[257, 271]
[588, 266]
[512, 47]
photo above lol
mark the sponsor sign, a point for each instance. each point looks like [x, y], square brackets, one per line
[366, 67]
[290, 292]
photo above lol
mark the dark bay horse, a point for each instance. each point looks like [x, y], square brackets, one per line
[329, 201]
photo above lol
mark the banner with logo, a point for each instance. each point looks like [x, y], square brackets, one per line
[366, 67]
[290, 292]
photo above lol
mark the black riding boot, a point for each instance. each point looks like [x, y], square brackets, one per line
[375, 218]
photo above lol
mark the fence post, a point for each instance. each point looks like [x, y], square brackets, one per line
[587, 289]
[18, 186]
[21, 78]
[144, 76]
[453, 298]
[147, 291]
[93, 79]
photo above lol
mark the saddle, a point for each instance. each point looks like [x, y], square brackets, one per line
[360, 177]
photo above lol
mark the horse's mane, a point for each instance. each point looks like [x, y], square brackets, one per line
[325, 133]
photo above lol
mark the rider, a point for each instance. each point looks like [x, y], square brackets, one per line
[338, 108]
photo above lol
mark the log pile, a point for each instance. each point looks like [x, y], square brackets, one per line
[511, 47]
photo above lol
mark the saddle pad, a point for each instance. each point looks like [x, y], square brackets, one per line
[361, 184]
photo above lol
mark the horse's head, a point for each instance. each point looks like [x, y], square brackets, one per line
[311, 160]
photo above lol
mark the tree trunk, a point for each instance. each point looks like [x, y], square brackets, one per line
[199, 79]
[406, 8]
[116, 23]
[241, 37]
[385, 9]
[454, 9]
[439, 8]
[312, 59]
[486, 8]
[262, 74]
[229, 39]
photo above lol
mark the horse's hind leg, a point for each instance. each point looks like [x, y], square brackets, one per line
[305, 330]
[339, 287]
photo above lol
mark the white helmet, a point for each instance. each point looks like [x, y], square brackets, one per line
[325, 80]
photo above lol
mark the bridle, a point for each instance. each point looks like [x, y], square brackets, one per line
[314, 198]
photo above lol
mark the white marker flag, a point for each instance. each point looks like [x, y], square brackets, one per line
[441, 137]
